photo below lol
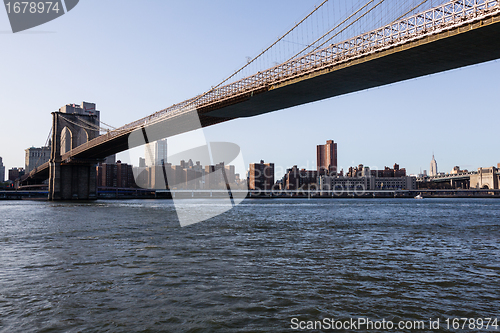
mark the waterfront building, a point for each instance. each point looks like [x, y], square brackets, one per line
[261, 176]
[15, 173]
[191, 176]
[124, 175]
[486, 178]
[456, 170]
[433, 171]
[362, 178]
[296, 178]
[142, 176]
[366, 182]
[394, 183]
[214, 177]
[115, 175]
[34, 157]
[231, 174]
[326, 158]
[105, 174]
[185, 176]
[342, 183]
[157, 174]
[156, 152]
[2, 171]
[361, 171]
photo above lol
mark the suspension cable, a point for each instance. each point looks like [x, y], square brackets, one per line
[408, 12]
[79, 125]
[96, 127]
[331, 30]
[102, 122]
[255, 58]
[276, 42]
[350, 24]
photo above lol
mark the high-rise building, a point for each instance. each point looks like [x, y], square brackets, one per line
[2, 171]
[433, 171]
[156, 152]
[326, 158]
[214, 177]
[230, 174]
[296, 178]
[34, 157]
[261, 176]
[115, 175]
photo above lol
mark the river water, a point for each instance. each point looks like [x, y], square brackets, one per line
[127, 266]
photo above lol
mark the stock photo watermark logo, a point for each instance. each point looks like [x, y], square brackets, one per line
[25, 15]
[199, 175]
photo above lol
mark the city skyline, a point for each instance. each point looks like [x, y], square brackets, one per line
[293, 195]
[326, 157]
[404, 121]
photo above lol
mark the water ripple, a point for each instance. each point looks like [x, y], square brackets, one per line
[127, 266]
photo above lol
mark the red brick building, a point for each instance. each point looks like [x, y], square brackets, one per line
[326, 158]
[261, 176]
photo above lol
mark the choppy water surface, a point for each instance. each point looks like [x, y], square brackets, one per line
[127, 266]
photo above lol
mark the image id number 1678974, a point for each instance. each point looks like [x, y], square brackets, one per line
[26, 7]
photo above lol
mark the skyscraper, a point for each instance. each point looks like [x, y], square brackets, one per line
[2, 171]
[326, 158]
[156, 152]
[433, 171]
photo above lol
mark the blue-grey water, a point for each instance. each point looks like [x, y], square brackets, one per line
[127, 266]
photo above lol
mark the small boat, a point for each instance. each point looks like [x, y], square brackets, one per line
[419, 196]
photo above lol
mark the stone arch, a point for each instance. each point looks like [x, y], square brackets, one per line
[66, 140]
[75, 125]
[485, 187]
[83, 137]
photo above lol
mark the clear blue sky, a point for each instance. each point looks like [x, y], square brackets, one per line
[133, 58]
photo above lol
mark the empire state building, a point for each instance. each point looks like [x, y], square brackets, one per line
[433, 171]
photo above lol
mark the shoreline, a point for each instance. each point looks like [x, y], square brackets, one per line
[187, 194]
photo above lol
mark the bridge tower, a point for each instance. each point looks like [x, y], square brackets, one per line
[73, 179]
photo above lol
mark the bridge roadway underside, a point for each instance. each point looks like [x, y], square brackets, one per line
[471, 43]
